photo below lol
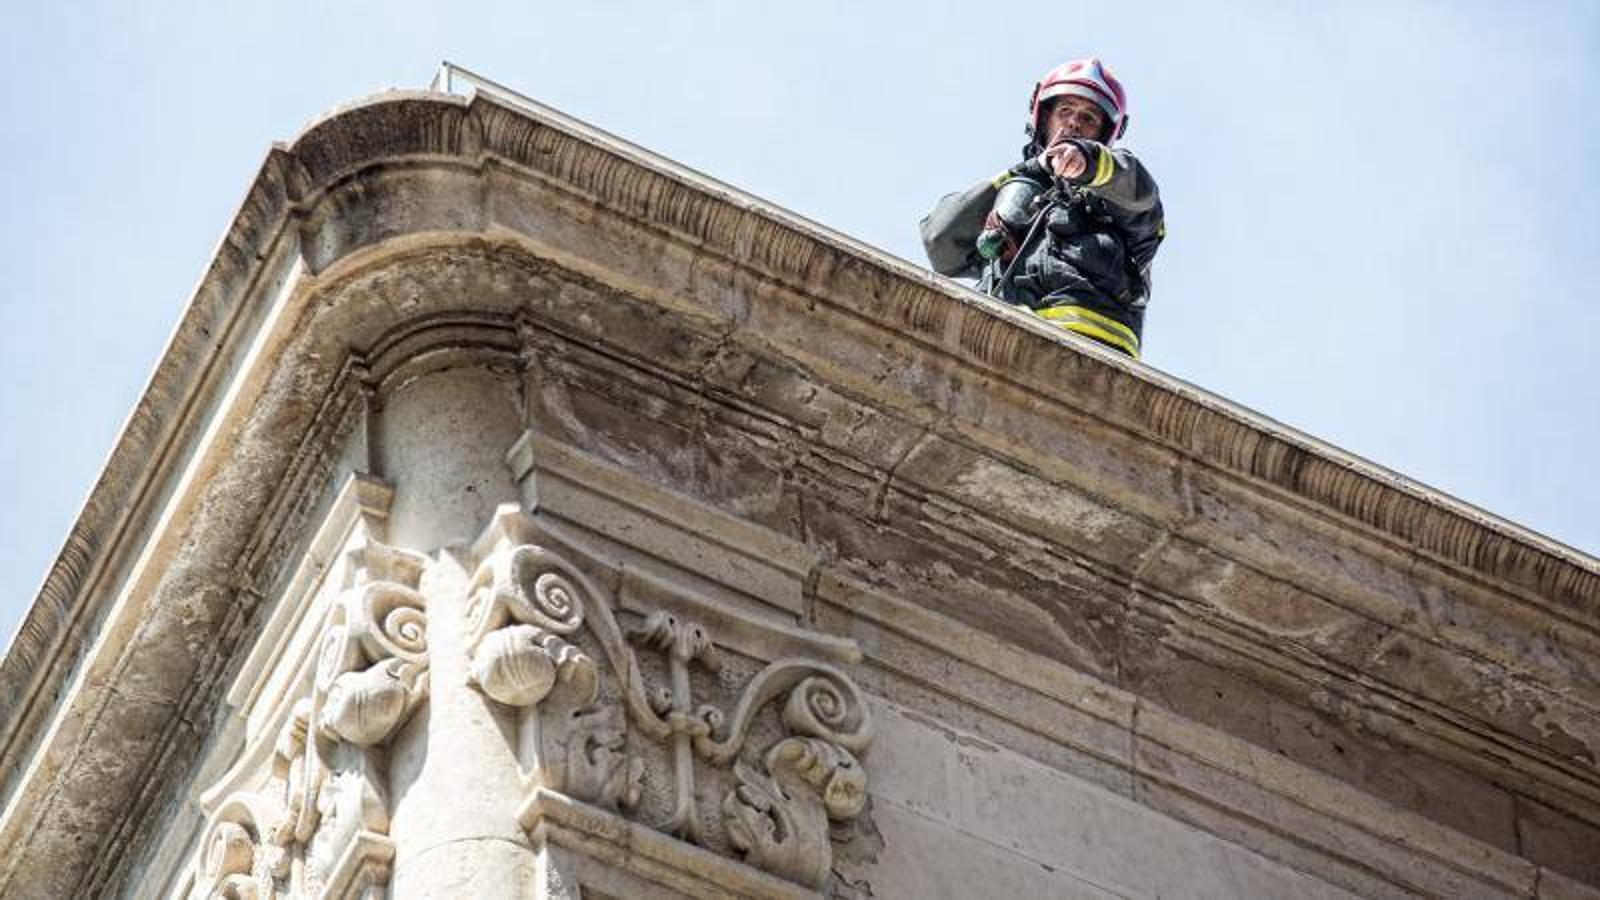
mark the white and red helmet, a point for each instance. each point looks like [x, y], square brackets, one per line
[1086, 78]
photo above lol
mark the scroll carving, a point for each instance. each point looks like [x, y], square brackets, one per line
[780, 819]
[530, 608]
[232, 863]
[519, 663]
[318, 827]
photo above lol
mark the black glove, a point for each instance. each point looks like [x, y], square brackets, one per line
[1033, 169]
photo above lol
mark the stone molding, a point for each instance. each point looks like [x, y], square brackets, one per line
[553, 818]
[1311, 821]
[358, 514]
[1362, 843]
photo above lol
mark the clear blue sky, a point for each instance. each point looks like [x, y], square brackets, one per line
[1381, 216]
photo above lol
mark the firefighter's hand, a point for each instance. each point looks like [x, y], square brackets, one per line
[1034, 168]
[1066, 161]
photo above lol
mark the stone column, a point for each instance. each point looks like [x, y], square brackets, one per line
[455, 778]
[457, 781]
[442, 442]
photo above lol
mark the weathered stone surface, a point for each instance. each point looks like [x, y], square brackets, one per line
[1059, 581]
[454, 425]
[990, 796]
[1561, 842]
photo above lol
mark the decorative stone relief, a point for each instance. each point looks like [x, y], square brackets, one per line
[525, 604]
[780, 819]
[580, 727]
[519, 663]
[233, 861]
[598, 767]
[317, 827]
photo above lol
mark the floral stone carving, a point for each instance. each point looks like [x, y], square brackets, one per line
[780, 819]
[598, 768]
[317, 828]
[530, 605]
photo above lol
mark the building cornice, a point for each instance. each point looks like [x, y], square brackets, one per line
[301, 229]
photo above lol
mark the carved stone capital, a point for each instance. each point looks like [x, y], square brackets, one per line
[314, 820]
[655, 685]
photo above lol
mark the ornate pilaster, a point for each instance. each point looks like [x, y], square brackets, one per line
[685, 742]
[315, 821]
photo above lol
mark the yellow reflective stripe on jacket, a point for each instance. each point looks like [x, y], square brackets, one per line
[1083, 312]
[1093, 324]
[1104, 168]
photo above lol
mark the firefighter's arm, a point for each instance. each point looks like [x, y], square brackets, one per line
[1128, 196]
[1126, 193]
[950, 232]
[1115, 176]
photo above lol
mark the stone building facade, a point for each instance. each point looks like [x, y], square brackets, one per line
[516, 513]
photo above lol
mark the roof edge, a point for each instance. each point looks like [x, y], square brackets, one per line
[365, 132]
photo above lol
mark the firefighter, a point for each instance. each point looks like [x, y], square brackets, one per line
[1069, 232]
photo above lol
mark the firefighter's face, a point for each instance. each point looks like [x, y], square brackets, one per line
[1073, 117]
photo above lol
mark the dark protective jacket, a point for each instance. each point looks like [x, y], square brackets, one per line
[1085, 262]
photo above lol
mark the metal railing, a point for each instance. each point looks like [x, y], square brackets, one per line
[453, 79]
